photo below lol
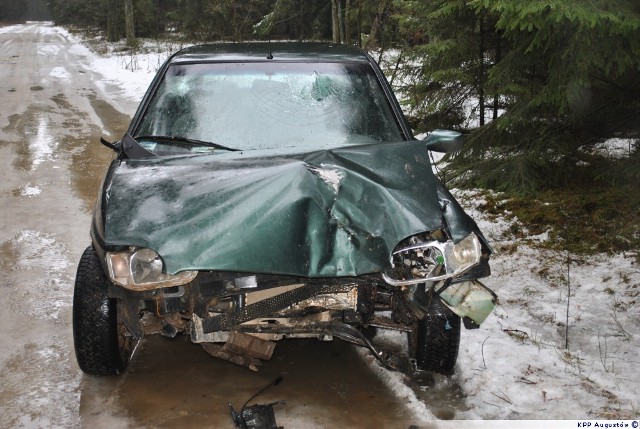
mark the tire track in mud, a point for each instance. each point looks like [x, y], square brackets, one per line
[50, 165]
[39, 383]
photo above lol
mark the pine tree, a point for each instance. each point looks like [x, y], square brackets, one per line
[571, 76]
[448, 51]
[12, 10]
[562, 73]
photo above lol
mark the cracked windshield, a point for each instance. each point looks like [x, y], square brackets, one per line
[266, 105]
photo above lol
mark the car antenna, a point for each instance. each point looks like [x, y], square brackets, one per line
[270, 54]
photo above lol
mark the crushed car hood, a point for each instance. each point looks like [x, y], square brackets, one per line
[327, 213]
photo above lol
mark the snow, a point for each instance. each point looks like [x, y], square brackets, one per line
[125, 74]
[60, 73]
[30, 191]
[18, 28]
[615, 147]
[518, 361]
[517, 365]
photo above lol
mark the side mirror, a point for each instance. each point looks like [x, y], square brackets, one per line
[113, 146]
[444, 141]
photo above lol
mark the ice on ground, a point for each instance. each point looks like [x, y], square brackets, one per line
[30, 191]
[60, 73]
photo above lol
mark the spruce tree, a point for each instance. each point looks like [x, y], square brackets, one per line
[561, 73]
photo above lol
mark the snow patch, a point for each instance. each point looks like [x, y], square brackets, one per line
[30, 191]
[616, 148]
[60, 73]
[517, 365]
[45, 50]
[395, 381]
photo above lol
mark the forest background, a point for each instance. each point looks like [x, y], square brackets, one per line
[535, 86]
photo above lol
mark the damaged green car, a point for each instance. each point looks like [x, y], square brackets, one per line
[270, 191]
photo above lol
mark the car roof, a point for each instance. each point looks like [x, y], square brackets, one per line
[262, 51]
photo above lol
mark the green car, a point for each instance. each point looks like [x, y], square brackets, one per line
[274, 190]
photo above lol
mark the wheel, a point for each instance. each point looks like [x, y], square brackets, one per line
[102, 342]
[438, 339]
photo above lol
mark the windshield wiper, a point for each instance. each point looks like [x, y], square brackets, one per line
[188, 140]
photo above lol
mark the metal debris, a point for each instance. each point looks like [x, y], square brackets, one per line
[257, 416]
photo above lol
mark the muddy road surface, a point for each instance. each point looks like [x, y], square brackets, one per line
[52, 115]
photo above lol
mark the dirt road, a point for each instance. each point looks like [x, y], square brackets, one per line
[51, 117]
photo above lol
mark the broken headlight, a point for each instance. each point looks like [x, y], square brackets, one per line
[142, 269]
[433, 260]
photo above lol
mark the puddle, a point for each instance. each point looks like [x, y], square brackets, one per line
[42, 144]
[33, 140]
[62, 132]
[37, 272]
[89, 164]
[34, 398]
[174, 383]
[442, 394]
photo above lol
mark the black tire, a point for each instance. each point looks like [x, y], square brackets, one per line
[438, 339]
[102, 343]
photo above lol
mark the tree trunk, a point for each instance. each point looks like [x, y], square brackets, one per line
[347, 20]
[375, 27]
[395, 69]
[335, 21]
[341, 20]
[481, 75]
[113, 33]
[359, 23]
[128, 22]
[300, 23]
[496, 99]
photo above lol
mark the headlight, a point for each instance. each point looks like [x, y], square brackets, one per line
[464, 255]
[433, 261]
[141, 269]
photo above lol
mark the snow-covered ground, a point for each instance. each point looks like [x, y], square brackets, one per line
[517, 365]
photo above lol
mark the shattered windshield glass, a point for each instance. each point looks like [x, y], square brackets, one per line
[264, 105]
